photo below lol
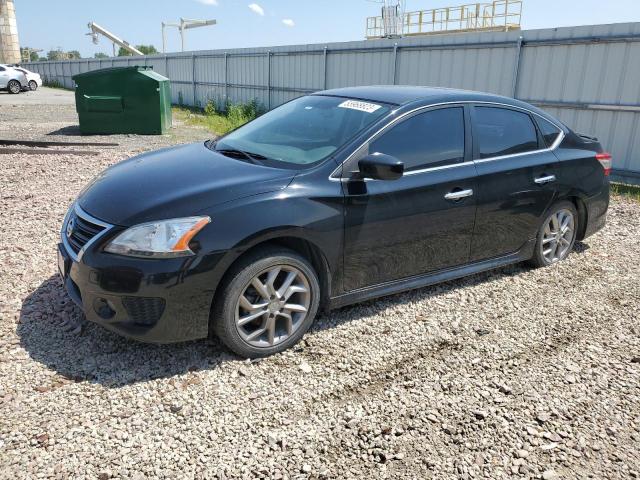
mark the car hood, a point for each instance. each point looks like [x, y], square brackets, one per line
[175, 182]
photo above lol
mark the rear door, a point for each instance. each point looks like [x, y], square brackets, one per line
[423, 221]
[516, 179]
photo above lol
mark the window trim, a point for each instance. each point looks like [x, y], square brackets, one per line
[336, 175]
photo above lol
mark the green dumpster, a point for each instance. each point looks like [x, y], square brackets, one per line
[123, 100]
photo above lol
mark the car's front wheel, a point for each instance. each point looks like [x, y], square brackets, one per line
[14, 87]
[268, 302]
[556, 235]
[33, 85]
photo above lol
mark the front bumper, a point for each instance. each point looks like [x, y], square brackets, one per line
[154, 301]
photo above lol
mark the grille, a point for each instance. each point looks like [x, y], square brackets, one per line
[143, 310]
[81, 231]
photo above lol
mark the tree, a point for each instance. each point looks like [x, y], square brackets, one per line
[55, 54]
[145, 49]
[101, 55]
[58, 54]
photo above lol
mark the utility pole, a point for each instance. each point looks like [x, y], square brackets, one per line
[184, 24]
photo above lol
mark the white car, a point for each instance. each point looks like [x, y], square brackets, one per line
[12, 80]
[33, 79]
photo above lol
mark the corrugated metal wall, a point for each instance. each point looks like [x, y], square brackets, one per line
[587, 76]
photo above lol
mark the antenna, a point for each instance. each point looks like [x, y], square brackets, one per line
[393, 12]
[184, 24]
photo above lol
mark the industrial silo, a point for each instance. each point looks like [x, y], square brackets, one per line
[9, 45]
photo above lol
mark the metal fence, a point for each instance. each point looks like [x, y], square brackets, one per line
[587, 76]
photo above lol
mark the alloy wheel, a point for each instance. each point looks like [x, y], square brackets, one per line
[14, 87]
[33, 86]
[273, 306]
[558, 236]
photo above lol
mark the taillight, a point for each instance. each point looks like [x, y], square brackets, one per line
[605, 161]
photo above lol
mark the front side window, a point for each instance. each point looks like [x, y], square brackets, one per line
[302, 132]
[426, 140]
[549, 131]
[501, 131]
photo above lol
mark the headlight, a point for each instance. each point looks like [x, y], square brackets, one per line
[163, 239]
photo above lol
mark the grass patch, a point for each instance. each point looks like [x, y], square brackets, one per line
[219, 120]
[630, 191]
[55, 84]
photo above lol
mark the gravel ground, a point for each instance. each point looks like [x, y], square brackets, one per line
[516, 373]
[44, 95]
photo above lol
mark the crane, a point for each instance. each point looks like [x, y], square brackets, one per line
[97, 29]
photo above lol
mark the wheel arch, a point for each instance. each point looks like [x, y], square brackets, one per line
[297, 243]
[583, 219]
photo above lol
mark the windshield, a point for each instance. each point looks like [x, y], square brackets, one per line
[302, 132]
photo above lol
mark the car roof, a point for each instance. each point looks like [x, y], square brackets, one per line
[402, 95]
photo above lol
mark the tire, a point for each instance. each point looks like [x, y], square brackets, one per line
[33, 85]
[272, 327]
[552, 245]
[14, 87]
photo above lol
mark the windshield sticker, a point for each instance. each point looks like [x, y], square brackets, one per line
[358, 105]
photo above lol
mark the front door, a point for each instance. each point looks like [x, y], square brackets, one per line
[423, 221]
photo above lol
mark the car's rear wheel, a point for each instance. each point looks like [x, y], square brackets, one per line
[14, 86]
[33, 85]
[268, 303]
[557, 234]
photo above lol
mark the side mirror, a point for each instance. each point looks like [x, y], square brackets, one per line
[379, 166]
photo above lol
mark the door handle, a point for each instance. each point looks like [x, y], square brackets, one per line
[545, 179]
[458, 194]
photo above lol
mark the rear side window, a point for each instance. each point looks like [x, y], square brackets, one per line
[549, 131]
[426, 140]
[504, 132]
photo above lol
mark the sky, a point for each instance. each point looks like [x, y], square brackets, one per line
[49, 24]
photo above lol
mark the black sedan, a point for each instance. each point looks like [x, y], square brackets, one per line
[330, 199]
